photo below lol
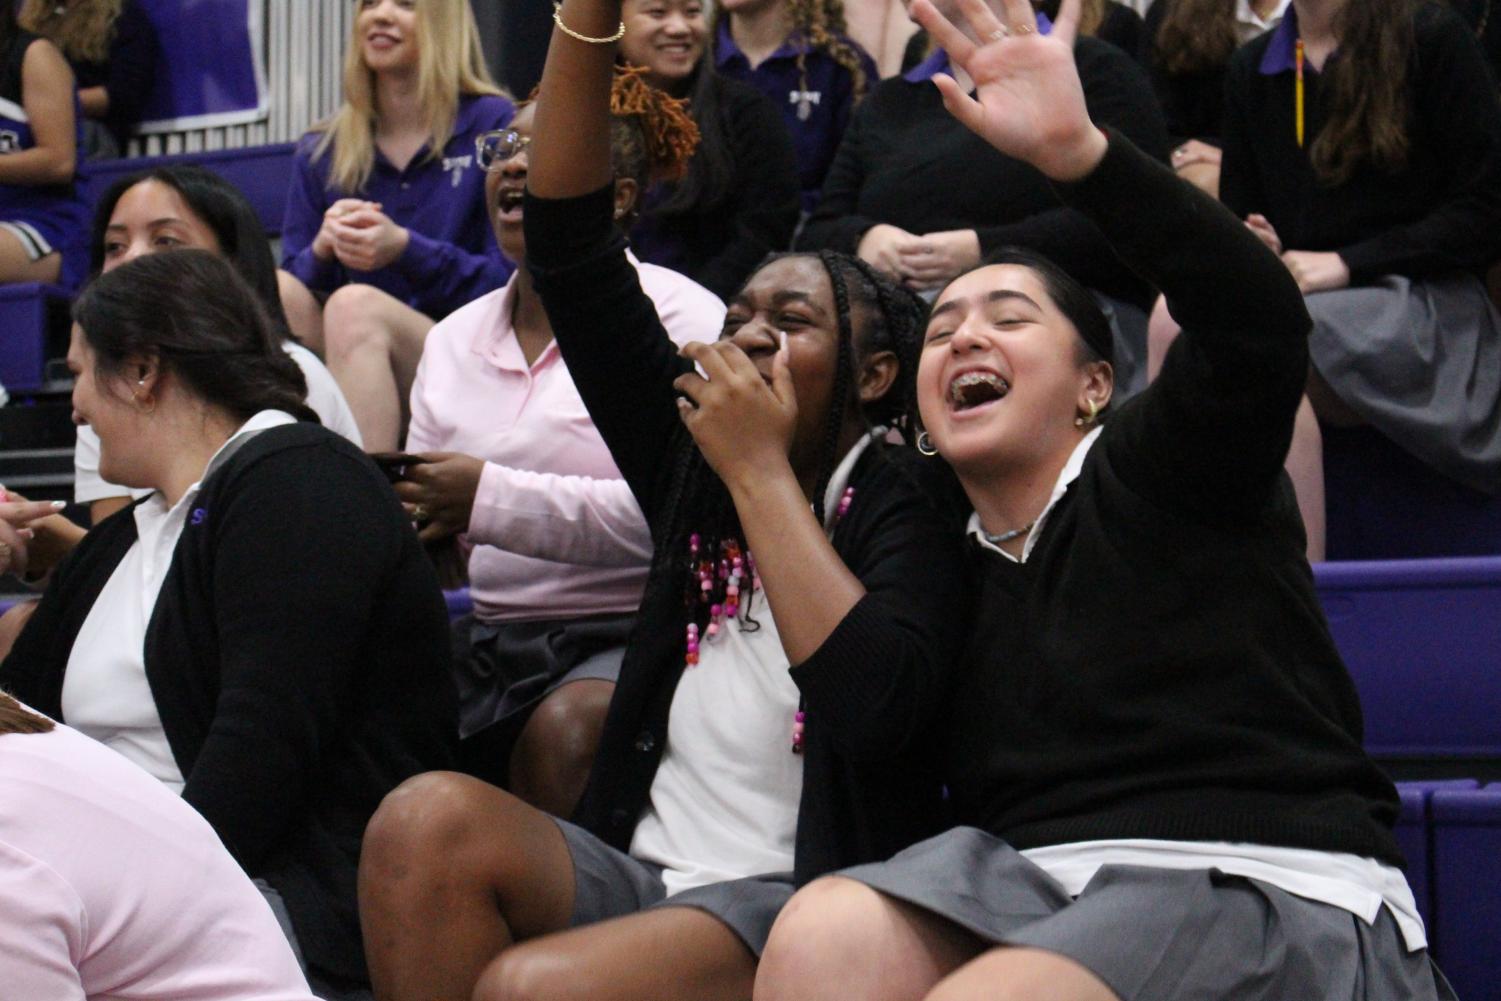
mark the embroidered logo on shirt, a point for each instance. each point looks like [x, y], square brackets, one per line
[9, 141]
[456, 165]
[199, 516]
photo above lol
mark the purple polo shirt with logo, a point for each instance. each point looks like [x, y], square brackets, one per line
[938, 61]
[815, 102]
[452, 257]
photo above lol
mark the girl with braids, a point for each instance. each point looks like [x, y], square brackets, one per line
[113, 50]
[381, 239]
[263, 634]
[1187, 49]
[1363, 144]
[739, 200]
[796, 52]
[773, 715]
[115, 888]
[1153, 747]
[504, 452]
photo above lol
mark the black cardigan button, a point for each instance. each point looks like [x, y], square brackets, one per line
[646, 741]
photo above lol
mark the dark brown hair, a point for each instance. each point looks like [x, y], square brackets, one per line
[15, 719]
[1364, 91]
[1195, 36]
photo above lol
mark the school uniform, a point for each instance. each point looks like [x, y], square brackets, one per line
[127, 72]
[1152, 738]
[1414, 344]
[815, 95]
[452, 257]
[46, 218]
[685, 748]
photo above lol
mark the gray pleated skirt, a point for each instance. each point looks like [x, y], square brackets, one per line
[1152, 934]
[1421, 362]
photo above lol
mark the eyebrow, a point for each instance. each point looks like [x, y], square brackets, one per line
[779, 299]
[999, 295]
[155, 222]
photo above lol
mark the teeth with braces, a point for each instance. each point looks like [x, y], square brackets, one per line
[958, 388]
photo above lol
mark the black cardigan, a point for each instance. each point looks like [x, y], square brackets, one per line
[718, 246]
[1193, 102]
[1441, 213]
[1160, 666]
[872, 690]
[298, 654]
[907, 162]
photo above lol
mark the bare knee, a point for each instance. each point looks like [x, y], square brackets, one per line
[533, 971]
[353, 320]
[818, 940]
[426, 820]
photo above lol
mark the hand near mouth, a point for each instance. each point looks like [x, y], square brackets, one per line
[742, 420]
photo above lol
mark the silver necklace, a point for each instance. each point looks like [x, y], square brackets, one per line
[1000, 537]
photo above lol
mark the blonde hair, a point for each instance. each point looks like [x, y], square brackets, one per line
[449, 64]
[83, 30]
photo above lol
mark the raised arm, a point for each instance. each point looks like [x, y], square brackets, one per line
[1209, 438]
[617, 352]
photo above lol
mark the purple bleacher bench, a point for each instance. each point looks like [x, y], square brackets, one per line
[1414, 832]
[1422, 639]
[32, 319]
[262, 173]
[459, 603]
[1467, 889]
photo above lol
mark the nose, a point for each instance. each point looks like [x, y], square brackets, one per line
[757, 337]
[134, 249]
[515, 167]
[677, 24]
[966, 338]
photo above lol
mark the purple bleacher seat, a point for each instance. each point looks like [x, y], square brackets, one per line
[1422, 639]
[262, 173]
[1414, 834]
[1467, 889]
[29, 314]
[459, 602]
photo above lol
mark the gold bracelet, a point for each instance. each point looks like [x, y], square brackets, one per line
[557, 18]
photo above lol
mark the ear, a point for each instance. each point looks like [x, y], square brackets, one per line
[1098, 387]
[626, 191]
[877, 375]
[144, 373]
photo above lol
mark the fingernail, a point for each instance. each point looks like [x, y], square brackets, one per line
[59, 505]
[783, 339]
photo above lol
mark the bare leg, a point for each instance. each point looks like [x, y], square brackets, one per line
[1204, 176]
[304, 312]
[16, 265]
[1162, 331]
[838, 939]
[552, 758]
[665, 954]
[453, 871]
[374, 343]
[1016, 974]
[1305, 466]
[12, 622]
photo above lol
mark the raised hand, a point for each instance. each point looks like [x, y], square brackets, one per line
[742, 423]
[1028, 102]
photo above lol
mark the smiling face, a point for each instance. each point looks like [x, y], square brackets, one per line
[666, 37]
[100, 403]
[1000, 380]
[386, 32]
[151, 217]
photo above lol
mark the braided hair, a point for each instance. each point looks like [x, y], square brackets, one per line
[652, 135]
[822, 26]
[698, 507]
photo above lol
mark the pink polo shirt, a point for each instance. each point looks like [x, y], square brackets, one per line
[112, 887]
[556, 532]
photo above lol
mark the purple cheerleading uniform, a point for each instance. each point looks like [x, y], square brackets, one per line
[48, 217]
[815, 101]
[452, 258]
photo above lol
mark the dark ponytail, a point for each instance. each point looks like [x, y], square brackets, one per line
[193, 312]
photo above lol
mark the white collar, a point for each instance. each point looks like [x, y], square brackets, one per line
[1245, 15]
[1069, 474]
[840, 478]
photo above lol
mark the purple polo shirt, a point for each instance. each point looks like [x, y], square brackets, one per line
[451, 259]
[938, 62]
[1281, 55]
[815, 102]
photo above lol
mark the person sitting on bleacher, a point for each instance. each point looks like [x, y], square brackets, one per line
[43, 219]
[381, 236]
[1152, 742]
[1362, 142]
[112, 888]
[264, 633]
[113, 50]
[558, 547]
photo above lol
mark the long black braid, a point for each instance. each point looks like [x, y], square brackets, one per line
[696, 500]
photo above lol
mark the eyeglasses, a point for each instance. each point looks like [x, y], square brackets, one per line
[495, 148]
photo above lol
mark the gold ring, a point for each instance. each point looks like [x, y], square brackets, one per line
[419, 513]
[1025, 29]
[999, 33]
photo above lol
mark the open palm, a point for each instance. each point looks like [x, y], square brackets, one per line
[1028, 102]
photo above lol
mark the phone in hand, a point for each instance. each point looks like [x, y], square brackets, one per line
[395, 464]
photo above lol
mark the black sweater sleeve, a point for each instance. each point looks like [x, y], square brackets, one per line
[1209, 437]
[133, 58]
[767, 197]
[287, 619]
[607, 329]
[1452, 93]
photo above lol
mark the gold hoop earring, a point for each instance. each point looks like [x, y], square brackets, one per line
[925, 444]
[1094, 415]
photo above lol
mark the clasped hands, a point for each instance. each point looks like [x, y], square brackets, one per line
[359, 235]
[921, 262]
[1314, 271]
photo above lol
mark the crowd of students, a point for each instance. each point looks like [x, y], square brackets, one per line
[869, 600]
